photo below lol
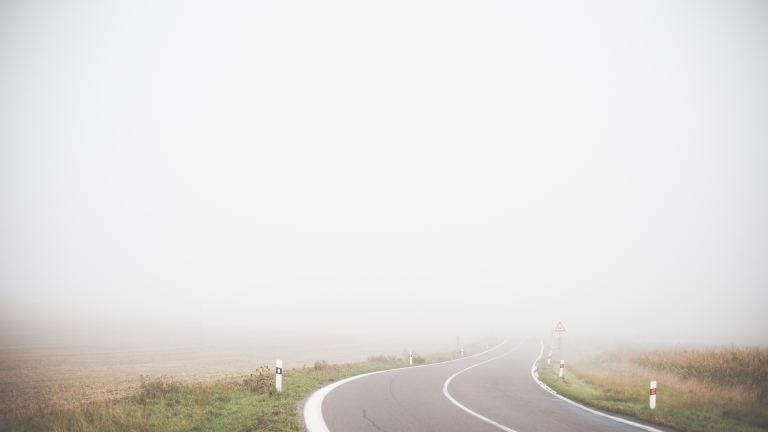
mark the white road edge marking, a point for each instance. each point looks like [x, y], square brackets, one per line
[313, 407]
[485, 419]
[535, 374]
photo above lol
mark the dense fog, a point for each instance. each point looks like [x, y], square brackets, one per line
[429, 169]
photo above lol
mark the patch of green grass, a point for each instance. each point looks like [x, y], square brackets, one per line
[248, 404]
[681, 404]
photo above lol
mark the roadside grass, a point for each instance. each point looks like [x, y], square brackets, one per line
[709, 390]
[248, 403]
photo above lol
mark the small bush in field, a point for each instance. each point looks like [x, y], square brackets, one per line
[261, 382]
[379, 358]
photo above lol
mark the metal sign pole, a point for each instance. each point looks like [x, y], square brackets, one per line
[560, 328]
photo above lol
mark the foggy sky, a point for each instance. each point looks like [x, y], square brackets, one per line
[390, 167]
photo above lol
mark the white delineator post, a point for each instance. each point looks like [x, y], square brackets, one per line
[653, 394]
[562, 366]
[410, 357]
[549, 358]
[279, 375]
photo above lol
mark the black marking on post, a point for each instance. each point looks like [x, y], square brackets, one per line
[279, 371]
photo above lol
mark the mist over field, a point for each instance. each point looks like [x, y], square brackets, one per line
[389, 169]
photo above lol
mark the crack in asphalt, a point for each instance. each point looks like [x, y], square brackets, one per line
[372, 422]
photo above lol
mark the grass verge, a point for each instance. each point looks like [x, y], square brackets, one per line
[248, 403]
[710, 390]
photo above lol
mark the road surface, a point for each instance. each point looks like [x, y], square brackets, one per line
[490, 392]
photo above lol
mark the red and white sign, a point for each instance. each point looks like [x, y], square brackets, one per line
[559, 327]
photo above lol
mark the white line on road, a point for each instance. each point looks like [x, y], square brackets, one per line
[313, 407]
[485, 419]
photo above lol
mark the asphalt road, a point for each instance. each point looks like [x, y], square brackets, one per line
[491, 391]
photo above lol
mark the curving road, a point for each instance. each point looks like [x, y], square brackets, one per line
[490, 392]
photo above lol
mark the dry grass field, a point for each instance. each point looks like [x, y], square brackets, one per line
[62, 366]
[699, 389]
[246, 404]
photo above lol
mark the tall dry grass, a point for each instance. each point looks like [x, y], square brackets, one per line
[730, 367]
[710, 389]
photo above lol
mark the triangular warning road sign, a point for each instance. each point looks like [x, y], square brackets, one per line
[559, 327]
